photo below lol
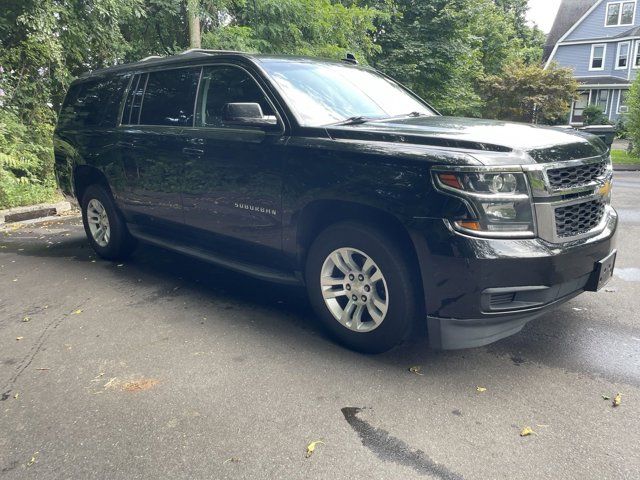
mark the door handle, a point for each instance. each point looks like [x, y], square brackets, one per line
[125, 144]
[196, 152]
[196, 141]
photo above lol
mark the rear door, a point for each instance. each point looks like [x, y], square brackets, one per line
[233, 178]
[151, 140]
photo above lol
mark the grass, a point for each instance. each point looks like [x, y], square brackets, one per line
[621, 157]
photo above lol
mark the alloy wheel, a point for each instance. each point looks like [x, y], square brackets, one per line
[98, 222]
[354, 289]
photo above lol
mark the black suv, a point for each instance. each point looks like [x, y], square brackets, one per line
[332, 175]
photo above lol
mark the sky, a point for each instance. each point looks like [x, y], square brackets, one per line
[542, 13]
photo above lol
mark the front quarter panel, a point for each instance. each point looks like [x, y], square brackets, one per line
[392, 177]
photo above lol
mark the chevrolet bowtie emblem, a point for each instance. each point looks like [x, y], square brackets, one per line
[605, 189]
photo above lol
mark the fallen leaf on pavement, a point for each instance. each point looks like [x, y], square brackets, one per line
[526, 431]
[138, 385]
[16, 396]
[416, 369]
[606, 397]
[76, 312]
[481, 389]
[232, 460]
[19, 338]
[617, 400]
[26, 319]
[33, 459]
[312, 446]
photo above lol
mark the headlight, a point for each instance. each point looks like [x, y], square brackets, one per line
[499, 200]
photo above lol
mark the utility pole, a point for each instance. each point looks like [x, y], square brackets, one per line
[193, 11]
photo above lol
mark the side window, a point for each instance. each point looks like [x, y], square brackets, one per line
[224, 84]
[112, 94]
[169, 97]
[131, 112]
[94, 103]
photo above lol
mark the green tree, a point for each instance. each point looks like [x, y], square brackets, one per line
[633, 117]
[529, 93]
[443, 49]
[305, 27]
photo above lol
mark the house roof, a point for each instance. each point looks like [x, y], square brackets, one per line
[569, 13]
[633, 32]
[604, 80]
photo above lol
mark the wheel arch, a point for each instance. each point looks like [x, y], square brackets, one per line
[84, 176]
[320, 214]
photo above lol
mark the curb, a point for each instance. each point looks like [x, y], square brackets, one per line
[621, 167]
[18, 214]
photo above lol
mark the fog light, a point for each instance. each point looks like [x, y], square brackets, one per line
[500, 211]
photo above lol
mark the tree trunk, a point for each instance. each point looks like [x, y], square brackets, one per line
[194, 23]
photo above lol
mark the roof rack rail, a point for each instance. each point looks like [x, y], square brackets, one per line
[206, 50]
[150, 57]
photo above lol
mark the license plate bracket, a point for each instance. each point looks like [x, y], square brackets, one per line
[602, 272]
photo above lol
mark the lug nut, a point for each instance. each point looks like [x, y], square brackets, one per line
[354, 298]
[367, 288]
[364, 298]
[348, 287]
[361, 277]
[351, 277]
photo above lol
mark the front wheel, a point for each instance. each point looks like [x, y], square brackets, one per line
[106, 230]
[361, 286]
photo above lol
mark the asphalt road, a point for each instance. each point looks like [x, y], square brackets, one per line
[165, 367]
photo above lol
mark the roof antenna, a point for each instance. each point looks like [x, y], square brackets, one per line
[350, 58]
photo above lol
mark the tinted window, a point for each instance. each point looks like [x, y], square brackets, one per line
[222, 85]
[323, 93]
[169, 97]
[131, 112]
[94, 103]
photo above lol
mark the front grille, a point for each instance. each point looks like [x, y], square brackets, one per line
[576, 176]
[577, 219]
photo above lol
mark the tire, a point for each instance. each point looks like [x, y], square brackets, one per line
[117, 243]
[391, 306]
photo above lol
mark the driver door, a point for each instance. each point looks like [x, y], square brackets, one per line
[233, 175]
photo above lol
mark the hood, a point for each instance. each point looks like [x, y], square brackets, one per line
[541, 144]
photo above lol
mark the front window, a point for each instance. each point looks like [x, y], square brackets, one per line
[623, 55]
[623, 107]
[597, 57]
[223, 84]
[620, 13]
[324, 93]
[636, 57]
[601, 99]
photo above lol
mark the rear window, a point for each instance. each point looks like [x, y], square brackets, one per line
[169, 97]
[94, 103]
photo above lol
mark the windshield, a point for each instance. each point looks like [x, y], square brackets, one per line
[324, 93]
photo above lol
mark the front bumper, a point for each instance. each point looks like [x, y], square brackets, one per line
[478, 291]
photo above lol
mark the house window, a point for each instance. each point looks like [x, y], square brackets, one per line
[623, 55]
[636, 56]
[622, 101]
[597, 57]
[620, 13]
[601, 99]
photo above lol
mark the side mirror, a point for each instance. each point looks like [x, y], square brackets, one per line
[247, 114]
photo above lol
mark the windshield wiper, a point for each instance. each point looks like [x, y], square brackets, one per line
[353, 121]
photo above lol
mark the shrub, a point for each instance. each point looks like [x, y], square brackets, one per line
[593, 115]
[26, 161]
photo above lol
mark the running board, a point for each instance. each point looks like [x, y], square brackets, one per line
[262, 273]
